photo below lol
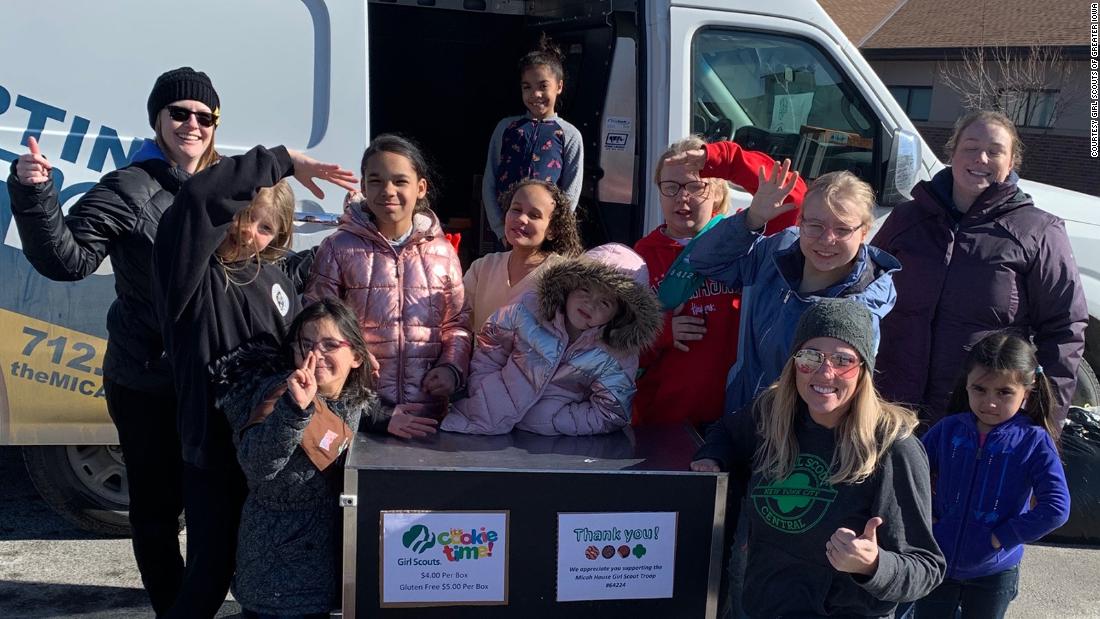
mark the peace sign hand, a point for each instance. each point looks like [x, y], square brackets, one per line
[302, 383]
[32, 168]
[768, 201]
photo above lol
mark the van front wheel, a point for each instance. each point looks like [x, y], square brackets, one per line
[84, 484]
[1088, 387]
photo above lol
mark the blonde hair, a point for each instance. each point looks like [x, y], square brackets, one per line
[279, 200]
[863, 436]
[208, 157]
[719, 188]
[835, 186]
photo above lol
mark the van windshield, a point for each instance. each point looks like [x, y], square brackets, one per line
[783, 96]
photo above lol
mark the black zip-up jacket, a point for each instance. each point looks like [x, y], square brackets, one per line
[209, 308]
[117, 217]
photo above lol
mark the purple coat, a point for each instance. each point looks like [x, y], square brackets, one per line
[1004, 264]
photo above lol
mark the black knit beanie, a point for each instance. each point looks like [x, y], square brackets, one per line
[182, 84]
[843, 319]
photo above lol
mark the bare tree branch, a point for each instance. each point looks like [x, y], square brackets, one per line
[1034, 88]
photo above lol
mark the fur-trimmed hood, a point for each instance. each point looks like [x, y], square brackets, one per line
[622, 272]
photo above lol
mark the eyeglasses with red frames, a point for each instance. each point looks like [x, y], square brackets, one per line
[325, 346]
[181, 114]
[809, 361]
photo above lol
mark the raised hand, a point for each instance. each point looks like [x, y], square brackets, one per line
[692, 160]
[768, 201]
[407, 425]
[854, 554]
[307, 168]
[302, 383]
[687, 329]
[32, 168]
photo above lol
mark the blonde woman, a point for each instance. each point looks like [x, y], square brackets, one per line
[825, 256]
[839, 498]
[118, 218]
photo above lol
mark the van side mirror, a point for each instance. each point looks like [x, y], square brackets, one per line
[903, 170]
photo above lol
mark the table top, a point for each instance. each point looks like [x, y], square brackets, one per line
[664, 449]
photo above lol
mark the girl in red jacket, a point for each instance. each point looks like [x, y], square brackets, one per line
[684, 373]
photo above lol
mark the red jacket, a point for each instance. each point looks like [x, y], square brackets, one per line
[677, 386]
[729, 161]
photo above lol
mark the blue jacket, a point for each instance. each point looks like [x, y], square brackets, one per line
[768, 269]
[981, 492]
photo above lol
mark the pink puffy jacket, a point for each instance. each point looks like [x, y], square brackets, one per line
[409, 300]
[526, 374]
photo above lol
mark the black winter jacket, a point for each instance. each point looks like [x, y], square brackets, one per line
[209, 308]
[118, 217]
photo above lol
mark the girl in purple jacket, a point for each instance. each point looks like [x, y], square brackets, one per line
[997, 479]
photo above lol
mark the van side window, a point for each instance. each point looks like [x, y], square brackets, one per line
[783, 96]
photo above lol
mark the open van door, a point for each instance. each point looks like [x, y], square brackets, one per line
[83, 98]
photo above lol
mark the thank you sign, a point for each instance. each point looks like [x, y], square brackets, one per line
[616, 556]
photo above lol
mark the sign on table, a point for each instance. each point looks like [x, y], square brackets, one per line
[616, 556]
[443, 558]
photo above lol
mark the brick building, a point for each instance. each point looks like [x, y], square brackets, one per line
[909, 43]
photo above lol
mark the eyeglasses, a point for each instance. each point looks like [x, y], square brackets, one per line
[809, 361]
[695, 189]
[324, 346]
[813, 230]
[181, 114]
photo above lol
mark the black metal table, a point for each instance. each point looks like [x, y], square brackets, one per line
[534, 478]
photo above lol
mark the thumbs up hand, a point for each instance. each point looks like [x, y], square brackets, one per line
[852, 553]
[32, 168]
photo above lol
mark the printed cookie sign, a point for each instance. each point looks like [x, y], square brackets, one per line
[444, 558]
[616, 556]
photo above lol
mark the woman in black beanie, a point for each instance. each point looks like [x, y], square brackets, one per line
[118, 217]
[838, 492]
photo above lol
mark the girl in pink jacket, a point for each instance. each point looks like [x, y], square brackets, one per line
[390, 263]
[562, 360]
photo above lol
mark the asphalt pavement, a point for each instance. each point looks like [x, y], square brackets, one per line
[49, 568]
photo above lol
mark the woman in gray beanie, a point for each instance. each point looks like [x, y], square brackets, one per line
[118, 217]
[838, 489]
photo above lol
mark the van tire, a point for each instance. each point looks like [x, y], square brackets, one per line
[84, 484]
[1087, 392]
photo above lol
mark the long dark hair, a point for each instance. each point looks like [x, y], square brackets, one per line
[359, 382]
[1004, 352]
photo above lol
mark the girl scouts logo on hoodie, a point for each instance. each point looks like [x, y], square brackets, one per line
[282, 302]
[797, 503]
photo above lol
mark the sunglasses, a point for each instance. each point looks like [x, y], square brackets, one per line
[181, 114]
[324, 346]
[809, 361]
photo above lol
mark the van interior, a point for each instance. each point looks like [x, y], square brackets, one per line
[445, 72]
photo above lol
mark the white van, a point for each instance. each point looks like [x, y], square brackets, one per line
[325, 75]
